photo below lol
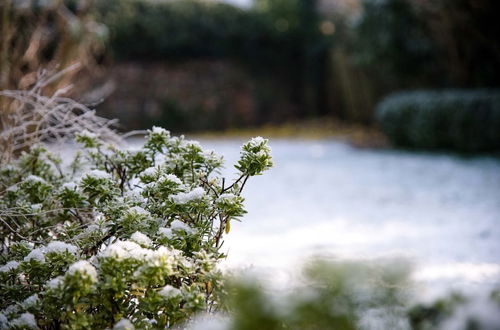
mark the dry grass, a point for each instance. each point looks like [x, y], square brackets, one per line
[28, 117]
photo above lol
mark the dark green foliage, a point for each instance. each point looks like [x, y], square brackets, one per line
[462, 120]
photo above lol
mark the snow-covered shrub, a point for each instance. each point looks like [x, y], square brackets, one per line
[117, 238]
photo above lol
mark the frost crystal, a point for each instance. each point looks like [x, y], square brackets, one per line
[125, 249]
[139, 210]
[4, 322]
[83, 267]
[98, 174]
[11, 309]
[87, 134]
[256, 141]
[26, 320]
[36, 254]
[34, 178]
[55, 282]
[140, 238]
[159, 130]
[150, 171]
[11, 265]
[124, 324]
[60, 247]
[167, 232]
[179, 225]
[171, 178]
[69, 186]
[183, 198]
[169, 291]
[226, 197]
[30, 301]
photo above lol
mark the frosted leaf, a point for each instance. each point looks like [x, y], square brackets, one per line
[161, 257]
[183, 198]
[30, 301]
[26, 320]
[125, 249]
[150, 171]
[55, 283]
[169, 291]
[36, 254]
[159, 130]
[60, 247]
[11, 309]
[226, 197]
[87, 134]
[179, 225]
[11, 265]
[256, 141]
[141, 239]
[4, 322]
[98, 174]
[171, 178]
[83, 267]
[34, 178]
[124, 324]
[69, 186]
[13, 188]
[167, 232]
[139, 210]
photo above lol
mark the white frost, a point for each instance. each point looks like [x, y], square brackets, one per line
[167, 232]
[227, 197]
[139, 210]
[69, 186]
[140, 238]
[60, 247]
[124, 324]
[30, 301]
[171, 178]
[11, 265]
[169, 291]
[34, 178]
[55, 283]
[36, 254]
[98, 174]
[26, 320]
[159, 130]
[83, 267]
[183, 198]
[87, 134]
[179, 225]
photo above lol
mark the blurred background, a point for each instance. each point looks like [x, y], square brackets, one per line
[205, 65]
[422, 75]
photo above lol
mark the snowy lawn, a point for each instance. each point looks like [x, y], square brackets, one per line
[326, 198]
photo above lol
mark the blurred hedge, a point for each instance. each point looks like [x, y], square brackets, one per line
[463, 120]
[275, 41]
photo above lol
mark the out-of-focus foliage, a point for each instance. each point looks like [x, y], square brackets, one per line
[117, 237]
[278, 42]
[350, 295]
[344, 295]
[391, 42]
[464, 120]
[412, 43]
[37, 35]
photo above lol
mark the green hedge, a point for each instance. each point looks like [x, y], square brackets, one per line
[463, 120]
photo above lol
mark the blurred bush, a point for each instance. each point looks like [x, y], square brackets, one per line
[353, 295]
[463, 120]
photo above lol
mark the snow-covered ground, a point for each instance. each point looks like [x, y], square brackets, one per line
[440, 211]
